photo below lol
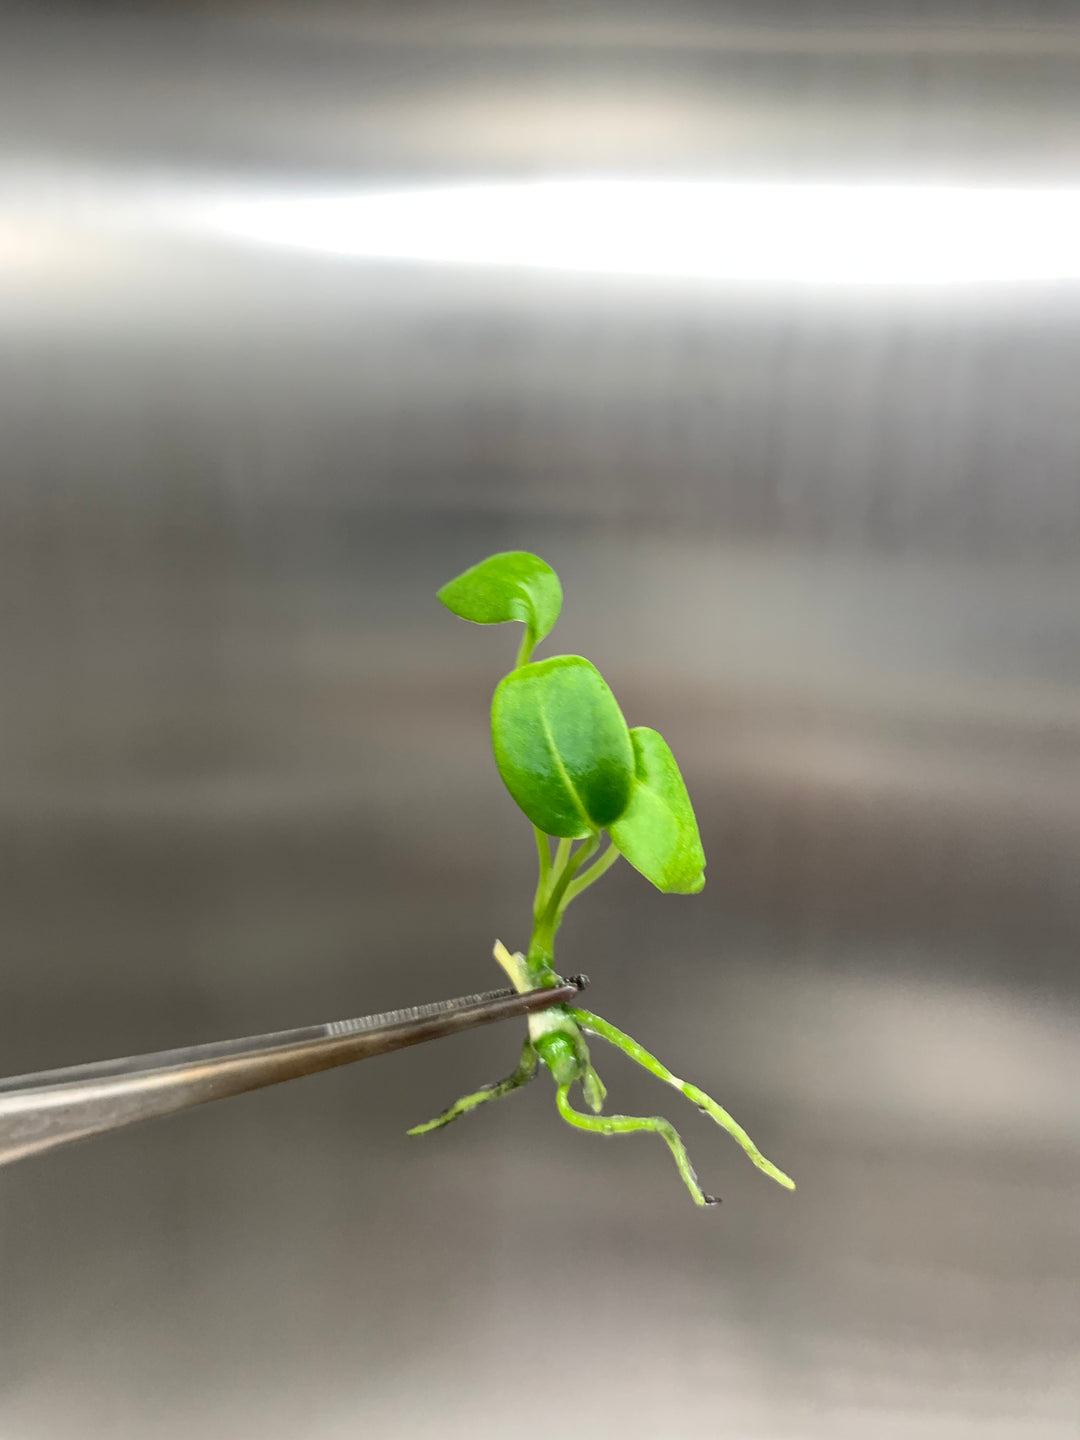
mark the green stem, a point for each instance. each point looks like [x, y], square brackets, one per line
[564, 876]
[543, 850]
[597, 1026]
[525, 649]
[549, 873]
[591, 875]
[549, 906]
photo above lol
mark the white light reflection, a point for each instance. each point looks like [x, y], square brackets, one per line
[808, 233]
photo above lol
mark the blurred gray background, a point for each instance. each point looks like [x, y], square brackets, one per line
[825, 540]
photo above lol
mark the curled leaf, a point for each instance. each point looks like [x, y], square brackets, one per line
[513, 585]
[562, 746]
[658, 832]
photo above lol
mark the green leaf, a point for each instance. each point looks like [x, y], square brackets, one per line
[658, 833]
[562, 746]
[511, 586]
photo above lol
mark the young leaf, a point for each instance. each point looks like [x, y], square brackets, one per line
[562, 746]
[511, 586]
[658, 833]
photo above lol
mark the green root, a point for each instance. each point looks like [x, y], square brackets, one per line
[594, 1025]
[594, 1090]
[556, 1038]
[525, 1072]
[629, 1125]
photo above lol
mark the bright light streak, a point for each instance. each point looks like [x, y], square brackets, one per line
[758, 233]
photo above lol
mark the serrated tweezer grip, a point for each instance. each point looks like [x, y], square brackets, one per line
[53, 1107]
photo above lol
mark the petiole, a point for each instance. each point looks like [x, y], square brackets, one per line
[591, 875]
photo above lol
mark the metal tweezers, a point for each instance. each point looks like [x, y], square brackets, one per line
[52, 1107]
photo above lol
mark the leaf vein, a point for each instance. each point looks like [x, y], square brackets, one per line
[560, 767]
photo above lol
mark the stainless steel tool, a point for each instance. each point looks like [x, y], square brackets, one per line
[38, 1112]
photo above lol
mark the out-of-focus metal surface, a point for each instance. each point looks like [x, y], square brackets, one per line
[825, 540]
[49, 1108]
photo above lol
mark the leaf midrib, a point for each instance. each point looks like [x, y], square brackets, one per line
[559, 763]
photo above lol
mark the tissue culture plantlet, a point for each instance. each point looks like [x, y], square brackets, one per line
[573, 766]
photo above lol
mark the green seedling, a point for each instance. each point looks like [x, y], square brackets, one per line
[573, 766]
